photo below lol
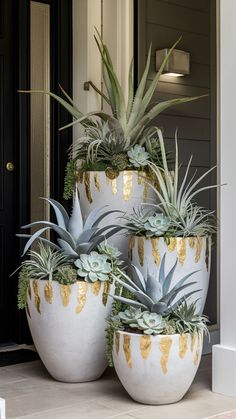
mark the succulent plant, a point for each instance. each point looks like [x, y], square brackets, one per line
[120, 161]
[154, 293]
[130, 316]
[176, 200]
[138, 156]
[66, 275]
[151, 323]
[188, 321]
[45, 262]
[93, 267]
[75, 237]
[156, 225]
[110, 251]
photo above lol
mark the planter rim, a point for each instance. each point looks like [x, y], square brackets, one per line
[170, 237]
[74, 283]
[121, 171]
[122, 332]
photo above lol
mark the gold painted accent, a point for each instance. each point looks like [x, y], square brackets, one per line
[181, 250]
[36, 294]
[198, 249]
[65, 294]
[27, 310]
[48, 292]
[145, 346]
[81, 296]
[127, 351]
[191, 241]
[106, 289]
[207, 253]
[111, 173]
[131, 246]
[155, 252]
[193, 340]
[145, 191]
[141, 250]
[183, 345]
[197, 353]
[172, 244]
[96, 287]
[114, 186]
[29, 291]
[165, 345]
[96, 181]
[79, 176]
[140, 178]
[87, 186]
[117, 342]
[127, 184]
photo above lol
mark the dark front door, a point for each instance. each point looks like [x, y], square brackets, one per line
[15, 139]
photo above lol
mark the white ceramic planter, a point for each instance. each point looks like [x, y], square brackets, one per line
[156, 369]
[67, 323]
[193, 253]
[124, 193]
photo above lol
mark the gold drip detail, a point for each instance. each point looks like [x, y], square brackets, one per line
[114, 186]
[191, 241]
[155, 252]
[65, 294]
[181, 250]
[140, 178]
[36, 294]
[183, 345]
[207, 253]
[29, 291]
[165, 345]
[87, 186]
[131, 246]
[127, 184]
[81, 296]
[198, 249]
[79, 176]
[106, 289]
[96, 181]
[197, 353]
[127, 350]
[145, 346]
[96, 287]
[48, 292]
[193, 340]
[141, 250]
[117, 342]
[172, 244]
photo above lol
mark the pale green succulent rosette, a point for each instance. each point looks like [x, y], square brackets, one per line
[138, 156]
[93, 267]
[130, 316]
[151, 323]
[156, 225]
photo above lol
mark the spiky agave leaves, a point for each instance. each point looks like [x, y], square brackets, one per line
[74, 236]
[154, 293]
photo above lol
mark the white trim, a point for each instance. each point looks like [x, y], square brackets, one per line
[224, 355]
[2, 409]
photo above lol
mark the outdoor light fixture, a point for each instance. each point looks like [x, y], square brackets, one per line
[177, 65]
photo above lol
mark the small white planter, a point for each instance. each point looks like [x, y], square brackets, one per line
[156, 369]
[67, 323]
[123, 193]
[193, 254]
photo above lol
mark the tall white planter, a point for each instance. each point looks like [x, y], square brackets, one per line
[124, 193]
[67, 323]
[156, 369]
[192, 253]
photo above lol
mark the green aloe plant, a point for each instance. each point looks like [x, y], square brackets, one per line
[154, 293]
[74, 236]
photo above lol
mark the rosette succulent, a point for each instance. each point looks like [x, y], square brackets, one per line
[154, 293]
[151, 323]
[138, 156]
[93, 267]
[156, 225]
[130, 316]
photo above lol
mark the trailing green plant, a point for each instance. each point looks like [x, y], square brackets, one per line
[74, 236]
[23, 283]
[154, 293]
[69, 182]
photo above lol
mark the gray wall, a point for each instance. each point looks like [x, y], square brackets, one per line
[162, 22]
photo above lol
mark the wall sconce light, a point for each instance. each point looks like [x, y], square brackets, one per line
[178, 63]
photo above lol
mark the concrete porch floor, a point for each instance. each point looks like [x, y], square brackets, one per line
[31, 393]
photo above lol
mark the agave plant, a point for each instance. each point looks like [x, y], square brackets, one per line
[75, 237]
[176, 199]
[154, 293]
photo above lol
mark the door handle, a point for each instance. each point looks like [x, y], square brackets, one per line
[10, 166]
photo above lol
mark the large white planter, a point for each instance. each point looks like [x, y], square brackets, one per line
[124, 193]
[156, 369]
[67, 323]
[193, 254]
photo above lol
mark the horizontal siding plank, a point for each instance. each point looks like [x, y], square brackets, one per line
[200, 150]
[163, 37]
[202, 5]
[197, 109]
[180, 89]
[171, 15]
[188, 128]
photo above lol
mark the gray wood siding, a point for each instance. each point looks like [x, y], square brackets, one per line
[162, 22]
